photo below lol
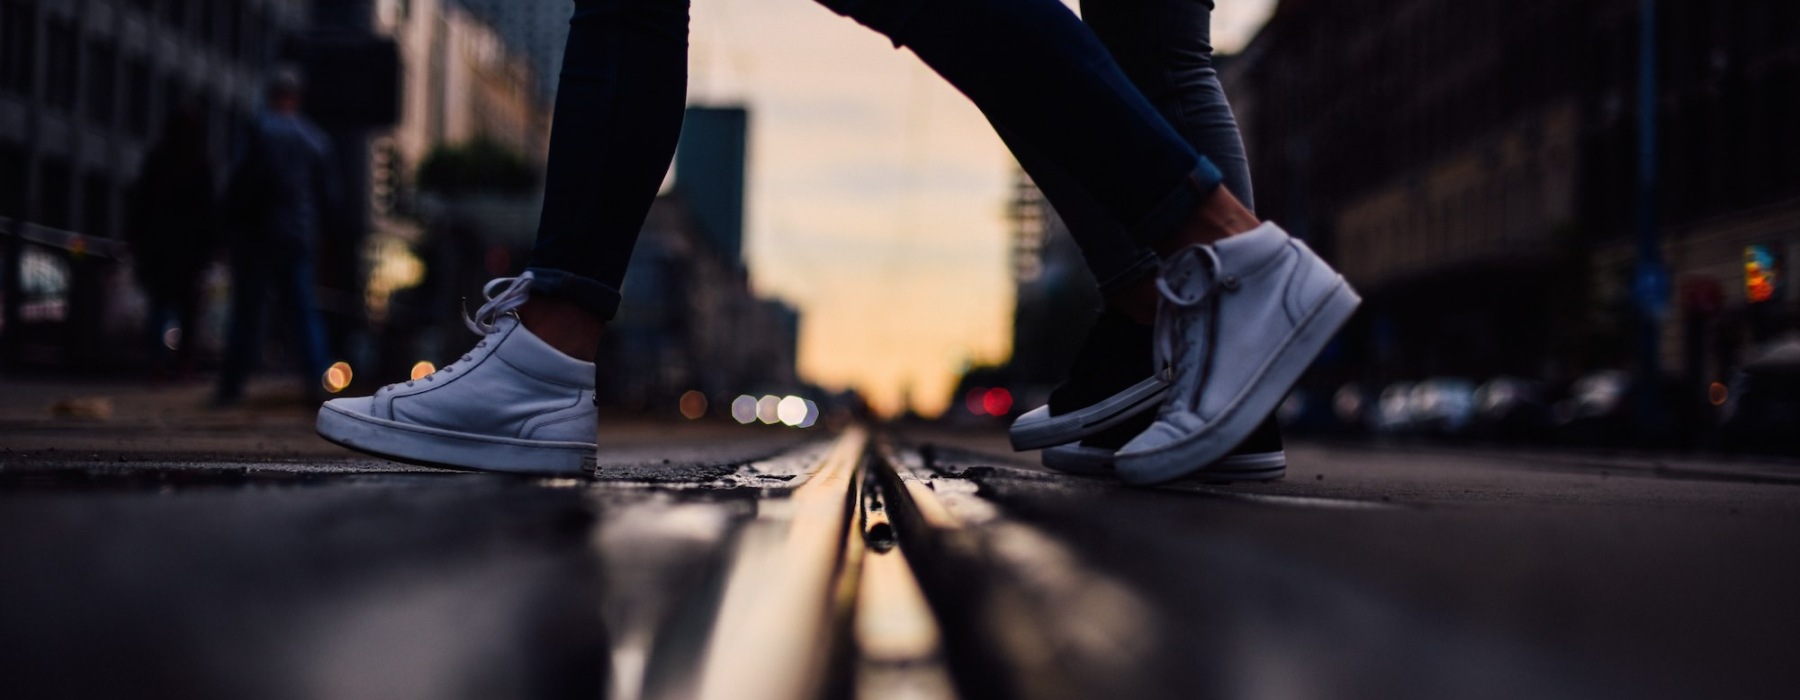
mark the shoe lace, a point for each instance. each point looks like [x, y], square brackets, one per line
[486, 319]
[516, 291]
[1176, 303]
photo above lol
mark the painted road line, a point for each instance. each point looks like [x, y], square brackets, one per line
[776, 629]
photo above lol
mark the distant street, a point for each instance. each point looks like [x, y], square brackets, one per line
[179, 552]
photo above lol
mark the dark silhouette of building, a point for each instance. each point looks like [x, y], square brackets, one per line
[1471, 165]
[710, 172]
[691, 319]
[83, 87]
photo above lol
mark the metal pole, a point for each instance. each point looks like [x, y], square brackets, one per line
[1652, 279]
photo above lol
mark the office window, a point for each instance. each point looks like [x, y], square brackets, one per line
[60, 78]
[208, 31]
[18, 39]
[12, 181]
[175, 14]
[102, 82]
[234, 30]
[97, 205]
[137, 97]
[54, 201]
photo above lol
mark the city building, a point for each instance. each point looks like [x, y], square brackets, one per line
[537, 29]
[1473, 167]
[710, 172]
[84, 87]
[462, 80]
[1055, 298]
[691, 320]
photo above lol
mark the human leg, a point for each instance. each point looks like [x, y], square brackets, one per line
[1055, 88]
[293, 280]
[1111, 392]
[523, 399]
[243, 343]
[618, 115]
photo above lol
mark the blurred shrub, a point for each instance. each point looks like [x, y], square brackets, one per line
[482, 165]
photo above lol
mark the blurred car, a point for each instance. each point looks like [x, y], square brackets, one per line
[1352, 406]
[1762, 412]
[1393, 410]
[1442, 405]
[1597, 409]
[1511, 408]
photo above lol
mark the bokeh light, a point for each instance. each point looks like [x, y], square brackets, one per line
[976, 401]
[422, 369]
[997, 401]
[338, 377]
[768, 409]
[1718, 394]
[693, 405]
[812, 415]
[743, 409]
[171, 338]
[791, 411]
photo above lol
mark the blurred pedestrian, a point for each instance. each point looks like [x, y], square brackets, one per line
[282, 184]
[172, 225]
[1240, 308]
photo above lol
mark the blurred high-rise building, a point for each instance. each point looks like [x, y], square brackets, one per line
[1055, 295]
[710, 170]
[691, 318]
[536, 29]
[84, 89]
[1473, 167]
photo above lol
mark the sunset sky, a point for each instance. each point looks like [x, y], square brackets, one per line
[876, 193]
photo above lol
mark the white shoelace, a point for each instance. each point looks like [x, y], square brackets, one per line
[1174, 312]
[485, 320]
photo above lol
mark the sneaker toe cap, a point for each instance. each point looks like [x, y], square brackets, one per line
[357, 405]
[1159, 435]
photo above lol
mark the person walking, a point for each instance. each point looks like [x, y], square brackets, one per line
[1240, 308]
[172, 227]
[282, 184]
[1113, 389]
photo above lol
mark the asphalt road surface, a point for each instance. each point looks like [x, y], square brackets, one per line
[143, 559]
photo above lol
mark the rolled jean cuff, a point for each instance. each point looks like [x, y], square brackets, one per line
[586, 293]
[1178, 204]
[1145, 265]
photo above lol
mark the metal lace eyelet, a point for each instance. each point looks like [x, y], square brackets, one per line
[1230, 283]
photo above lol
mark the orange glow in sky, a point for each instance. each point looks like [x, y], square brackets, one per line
[876, 194]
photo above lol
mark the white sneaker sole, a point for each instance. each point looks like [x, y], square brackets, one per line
[1197, 453]
[1098, 461]
[418, 444]
[1037, 428]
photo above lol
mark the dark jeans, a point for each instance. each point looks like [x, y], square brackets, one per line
[1165, 47]
[1030, 65]
[257, 273]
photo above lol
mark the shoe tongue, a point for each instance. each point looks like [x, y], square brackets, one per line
[523, 349]
[1245, 250]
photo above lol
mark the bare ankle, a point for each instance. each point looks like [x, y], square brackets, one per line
[1219, 216]
[1137, 300]
[564, 325]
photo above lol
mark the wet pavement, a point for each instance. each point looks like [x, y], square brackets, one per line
[162, 550]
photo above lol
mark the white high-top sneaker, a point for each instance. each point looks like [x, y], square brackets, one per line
[513, 404]
[1239, 322]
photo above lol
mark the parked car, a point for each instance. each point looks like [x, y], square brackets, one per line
[1443, 406]
[1762, 412]
[1512, 408]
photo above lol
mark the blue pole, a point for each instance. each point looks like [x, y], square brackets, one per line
[1652, 279]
